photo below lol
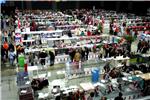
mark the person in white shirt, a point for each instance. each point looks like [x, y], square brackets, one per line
[101, 52]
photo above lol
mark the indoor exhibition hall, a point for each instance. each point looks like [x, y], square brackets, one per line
[75, 50]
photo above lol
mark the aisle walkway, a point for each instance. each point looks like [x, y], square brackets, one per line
[9, 89]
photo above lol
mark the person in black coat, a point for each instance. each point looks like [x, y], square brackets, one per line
[69, 33]
[3, 54]
[119, 97]
[11, 47]
[86, 53]
[72, 53]
[129, 46]
[58, 98]
[111, 51]
[83, 54]
[42, 56]
[139, 46]
[52, 58]
[106, 48]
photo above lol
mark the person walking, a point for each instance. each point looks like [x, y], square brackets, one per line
[52, 58]
[11, 57]
[119, 97]
[71, 54]
[83, 54]
[101, 52]
[86, 53]
[139, 46]
[42, 57]
[91, 96]
[77, 58]
[6, 47]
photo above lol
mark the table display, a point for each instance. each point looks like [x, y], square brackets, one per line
[26, 93]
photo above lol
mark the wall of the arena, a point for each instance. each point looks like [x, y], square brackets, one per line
[137, 7]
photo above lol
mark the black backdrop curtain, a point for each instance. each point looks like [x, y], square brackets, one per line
[137, 7]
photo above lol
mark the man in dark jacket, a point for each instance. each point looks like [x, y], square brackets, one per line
[72, 53]
[11, 47]
[86, 53]
[42, 56]
[52, 58]
[139, 46]
[119, 97]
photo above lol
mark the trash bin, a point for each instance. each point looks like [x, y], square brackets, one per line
[95, 75]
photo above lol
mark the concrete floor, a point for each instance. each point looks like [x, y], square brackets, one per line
[9, 88]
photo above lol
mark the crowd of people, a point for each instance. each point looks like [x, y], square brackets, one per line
[10, 50]
[8, 35]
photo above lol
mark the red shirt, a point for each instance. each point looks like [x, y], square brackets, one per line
[19, 24]
[88, 33]
[117, 29]
[5, 45]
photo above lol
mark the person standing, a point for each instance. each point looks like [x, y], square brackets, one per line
[2, 53]
[83, 54]
[71, 54]
[119, 97]
[106, 47]
[103, 98]
[82, 33]
[6, 36]
[139, 46]
[89, 33]
[31, 59]
[42, 56]
[86, 53]
[52, 58]
[91, 97]
[13, 34]
[11, 57]
[11, 46]
[6, 47]
[101, 52]
[77, 58]
[4, 23]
